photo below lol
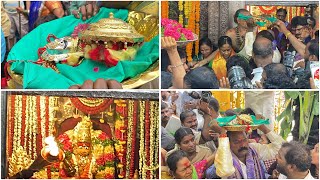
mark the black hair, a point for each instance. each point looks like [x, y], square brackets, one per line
[182, 53]
[282, 10]
[303, 81]
[224, 40]
[297, 154]
[236, 14]
[186, 114]
[247, 111]
[262, 50]
[316, 34]
[164, 105]
[166, 80]
[237, 60]
[314, 47]
[181, 133]
[279, 81]
[174, 158]
[299, 21]
[201, 78]
[275, 68]
[206, 41]
[266, 34]
[213, 103]
[313, 21]
[230, 112]
[277, 77]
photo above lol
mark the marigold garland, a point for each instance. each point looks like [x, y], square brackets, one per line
[134, 138]
[197, 30]
[51, 113]
[142, 172]
[164, 9]
[24, 137]
[191, 26]
[121, 123]
[156, 141]
[180, 6]
[35, 127]
[11, 127]
[267, 9]
[47, 116]
[39, 136]
[43, 118]
[129, 137]
[147, 137]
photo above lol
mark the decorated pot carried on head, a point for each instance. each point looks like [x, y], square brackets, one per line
[243, 122]
[110, 40]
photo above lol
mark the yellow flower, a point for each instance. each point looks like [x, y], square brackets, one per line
[108, 149]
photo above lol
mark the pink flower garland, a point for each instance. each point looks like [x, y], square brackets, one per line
[172, 28]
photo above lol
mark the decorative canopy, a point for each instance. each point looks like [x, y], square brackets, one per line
[111, 29]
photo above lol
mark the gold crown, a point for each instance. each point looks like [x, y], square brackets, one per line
[82, 131]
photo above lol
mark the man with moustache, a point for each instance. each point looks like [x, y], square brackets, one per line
[294, 161]
[188, 119]
[281, 39]
[247, 157]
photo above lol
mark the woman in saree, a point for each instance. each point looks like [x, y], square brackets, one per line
[180, 166]
[218, 64]
[206, 48]
[42, 10]
[199, 156]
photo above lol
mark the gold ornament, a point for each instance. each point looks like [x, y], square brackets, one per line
[111, 29]
[82, 131]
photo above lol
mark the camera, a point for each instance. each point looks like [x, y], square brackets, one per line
[237, 78]
[288, 61]
[204, 95]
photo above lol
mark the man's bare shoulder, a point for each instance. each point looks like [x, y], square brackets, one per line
[231, 32]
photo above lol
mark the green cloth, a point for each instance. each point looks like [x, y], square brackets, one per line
[244, 17]
[35, 76]
[272, 19]
[194, 173]
[225, 120]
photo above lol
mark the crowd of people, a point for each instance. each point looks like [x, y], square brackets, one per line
[246, 58]
[193, 145]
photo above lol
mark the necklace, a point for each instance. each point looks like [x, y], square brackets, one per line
[240, 40]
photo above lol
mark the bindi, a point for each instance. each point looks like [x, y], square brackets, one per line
[186, 164]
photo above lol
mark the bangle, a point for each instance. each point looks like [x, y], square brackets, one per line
[174, 66]
[287, 34]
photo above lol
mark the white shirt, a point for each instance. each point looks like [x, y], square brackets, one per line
[244, 169]
[261, 102]
[281, 176]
